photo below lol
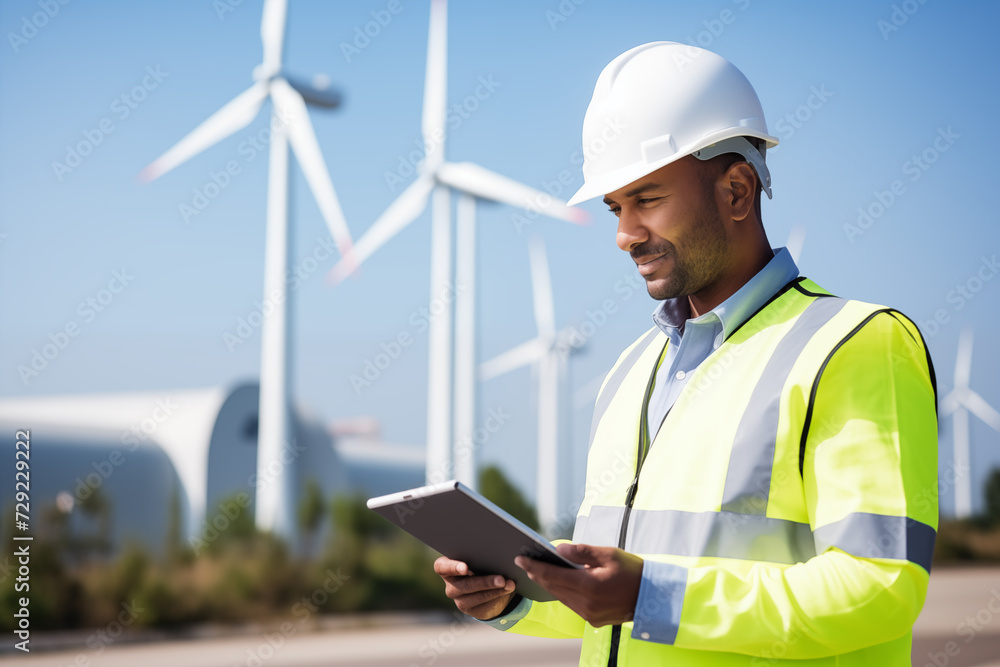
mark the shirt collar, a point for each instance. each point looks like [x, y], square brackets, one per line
[671, 315]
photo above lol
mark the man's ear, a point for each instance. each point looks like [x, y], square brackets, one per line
[740, 182]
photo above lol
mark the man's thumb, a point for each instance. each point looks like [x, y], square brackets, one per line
[584, 554]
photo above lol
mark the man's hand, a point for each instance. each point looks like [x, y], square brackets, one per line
[480, 597]
[603, 593]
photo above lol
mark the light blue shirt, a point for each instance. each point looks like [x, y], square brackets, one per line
[692, 340]
[658, 607]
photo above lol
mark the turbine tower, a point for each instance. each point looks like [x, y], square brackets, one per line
[959, 403]
[437, 179]
[548, 353]
[290, 123]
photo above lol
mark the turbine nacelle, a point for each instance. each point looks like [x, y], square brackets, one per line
[317, 92]
[566, 342]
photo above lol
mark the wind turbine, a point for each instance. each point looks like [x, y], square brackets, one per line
[959, 403]
[289, 124]
[436, 180]
[548, 353]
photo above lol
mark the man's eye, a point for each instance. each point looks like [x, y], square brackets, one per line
[616, 211]
[649, 199]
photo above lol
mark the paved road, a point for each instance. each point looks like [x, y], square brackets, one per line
[440, 645]
[959, 627]
[960, 623]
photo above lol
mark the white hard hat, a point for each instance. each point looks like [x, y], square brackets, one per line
[658, 102]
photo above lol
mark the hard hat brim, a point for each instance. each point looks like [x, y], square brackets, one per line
[615, 180]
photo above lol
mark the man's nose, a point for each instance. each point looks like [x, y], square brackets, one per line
[630, 232]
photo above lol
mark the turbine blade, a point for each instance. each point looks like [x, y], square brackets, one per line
[395, 218]
[541, 288]
[436, 82]
[963, 363]
[523, 355]
[233, 116]
[796, 239]
[978, 406]
[307, 152]
[485, 184]
[272, 34]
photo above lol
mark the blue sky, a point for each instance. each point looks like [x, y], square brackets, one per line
[881, 93]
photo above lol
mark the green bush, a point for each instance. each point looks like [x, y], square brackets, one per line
[395, 571]
[993, 498]
[237, 574]
[498, 489]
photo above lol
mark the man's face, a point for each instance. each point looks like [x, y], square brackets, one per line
[669, 222]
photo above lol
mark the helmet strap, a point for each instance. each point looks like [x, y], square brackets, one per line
[743, 147]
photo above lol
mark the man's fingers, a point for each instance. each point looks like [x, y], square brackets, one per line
[583, 554]
[587, 554]
[479, 596]
[454, 568]
[467, 590]
[469, 603]
[539, 568]
[548, 575]
[603, 592]
[456, 587]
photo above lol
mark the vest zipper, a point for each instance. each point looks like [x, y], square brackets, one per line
[616, 631]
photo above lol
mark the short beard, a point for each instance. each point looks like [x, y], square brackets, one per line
[705, 259]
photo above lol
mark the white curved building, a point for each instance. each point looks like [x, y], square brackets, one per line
[192, 449]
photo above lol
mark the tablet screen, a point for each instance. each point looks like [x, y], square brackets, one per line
[463, 525]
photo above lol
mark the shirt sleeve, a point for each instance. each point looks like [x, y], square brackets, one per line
[506, 620]
[870, 482]
[658, 607]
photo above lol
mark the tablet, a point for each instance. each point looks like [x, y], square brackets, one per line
[463, 525]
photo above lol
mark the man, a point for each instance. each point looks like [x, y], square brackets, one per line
[762, 475]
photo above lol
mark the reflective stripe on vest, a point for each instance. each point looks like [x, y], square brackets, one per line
[755, 537]
[748, 481]
[713, 534]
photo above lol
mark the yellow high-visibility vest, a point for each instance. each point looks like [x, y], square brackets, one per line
[795, 480]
